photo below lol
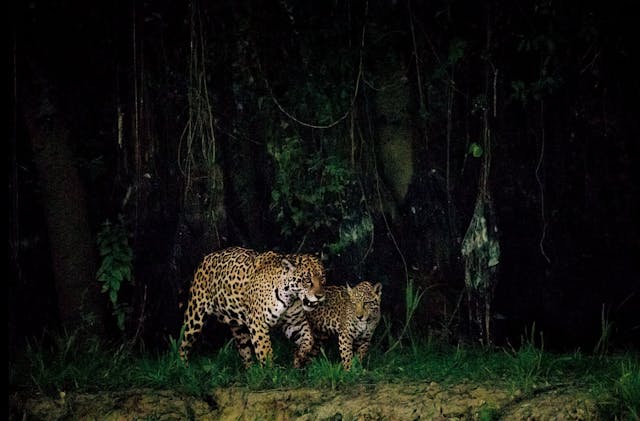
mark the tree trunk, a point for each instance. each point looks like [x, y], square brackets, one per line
[73, 250]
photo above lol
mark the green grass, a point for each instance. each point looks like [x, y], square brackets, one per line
[71, 363]
[626, 393]
[488, 413]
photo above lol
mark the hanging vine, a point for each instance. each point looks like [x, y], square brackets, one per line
[197, 157]
[480, 246]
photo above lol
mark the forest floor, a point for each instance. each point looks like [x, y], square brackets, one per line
[391, 401]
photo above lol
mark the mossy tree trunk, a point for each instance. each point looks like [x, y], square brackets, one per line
[73, 250]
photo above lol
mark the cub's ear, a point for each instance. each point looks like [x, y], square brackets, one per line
[287, 265]
[348, 288]
[377, 289]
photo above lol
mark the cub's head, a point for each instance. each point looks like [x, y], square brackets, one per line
[366, 300]
[305, 277]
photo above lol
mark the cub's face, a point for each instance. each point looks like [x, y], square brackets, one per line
[366, 300]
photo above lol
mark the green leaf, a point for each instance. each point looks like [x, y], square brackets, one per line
[108, 261]
[113, 295]
[475, 150]
[117, 277]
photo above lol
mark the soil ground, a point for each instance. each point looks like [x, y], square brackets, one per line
[406, 401]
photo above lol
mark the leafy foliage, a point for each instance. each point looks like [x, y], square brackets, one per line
[311, 195]
[117, 264]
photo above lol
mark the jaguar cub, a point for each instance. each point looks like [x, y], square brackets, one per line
[351, 314]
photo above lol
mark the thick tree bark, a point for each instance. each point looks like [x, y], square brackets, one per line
[73, 250]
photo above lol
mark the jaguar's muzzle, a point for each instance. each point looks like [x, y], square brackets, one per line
[309, 305]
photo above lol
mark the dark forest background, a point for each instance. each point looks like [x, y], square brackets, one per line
[146, 134]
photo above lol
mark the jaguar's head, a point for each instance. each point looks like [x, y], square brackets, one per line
[306, 278]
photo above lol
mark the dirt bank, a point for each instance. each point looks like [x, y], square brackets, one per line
[423, 401]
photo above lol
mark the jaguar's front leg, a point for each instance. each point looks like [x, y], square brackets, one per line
[261, 342]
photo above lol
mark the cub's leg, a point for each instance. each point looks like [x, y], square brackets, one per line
[243, 343]
[303, 338]
[345, 344]
[318, 341]
[362, 349]
[296, 328]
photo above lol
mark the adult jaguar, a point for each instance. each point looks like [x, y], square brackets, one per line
[351, 314]
[250, 291]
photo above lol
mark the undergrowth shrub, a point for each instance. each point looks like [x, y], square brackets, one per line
[116, 267]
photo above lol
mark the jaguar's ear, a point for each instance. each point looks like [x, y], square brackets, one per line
[287, 265]
[377, 289]
[349, 289]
